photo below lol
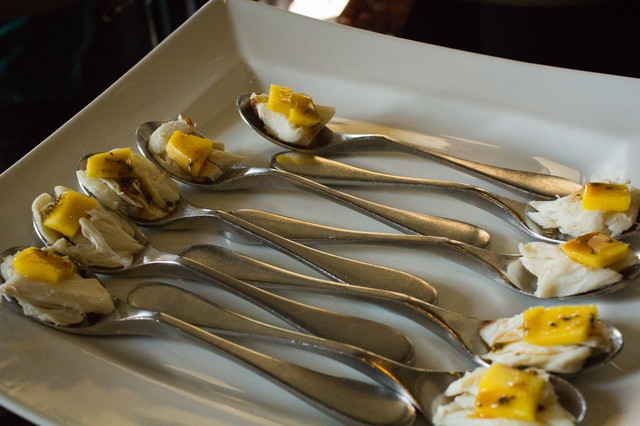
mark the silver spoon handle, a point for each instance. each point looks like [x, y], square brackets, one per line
[419, 386]
[405, 221]
[264, 275]
[336, 267]
[538, 184]
[331, 172]
[347, 400]
[360, 332]
[482, 260]
[201, 312]
[456, 329]
[308, 232]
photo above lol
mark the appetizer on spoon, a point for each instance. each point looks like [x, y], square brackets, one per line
[587, 266]
[145, 258]
[609, 208]
[421, 386]
[483, 341]
[344, 399]
[327, 142]
[115, 192]
[156, 142]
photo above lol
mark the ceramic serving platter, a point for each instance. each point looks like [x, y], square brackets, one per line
[574, 124]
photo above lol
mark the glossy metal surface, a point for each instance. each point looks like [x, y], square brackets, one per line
[422, 387]
[332, 325]
[457, 330]
[330, 143]
[344, 399]
[339, 268]
[331, 172]
[242, 177]
[503, 268]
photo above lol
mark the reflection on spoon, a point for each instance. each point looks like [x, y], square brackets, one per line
[459, 331]
[348, 329]
[333, 172]
[330, 143]
[345, 270]
[344, 399]
[421, 386]
[243, 177]
[505, 269]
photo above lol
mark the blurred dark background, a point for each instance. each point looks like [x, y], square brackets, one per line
[56, 56]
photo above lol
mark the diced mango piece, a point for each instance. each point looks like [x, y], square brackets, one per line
[508, 393]
[298, 107]
[38, 265]
[112, 164]
[280, 99]
[606, 196]
[561, 325]
[303, 112]
[65, 215]
[595, 249]
[189, 152]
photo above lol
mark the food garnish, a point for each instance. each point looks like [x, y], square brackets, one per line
[607, 207]
[50, 287]
[556, 339]
[290, 116]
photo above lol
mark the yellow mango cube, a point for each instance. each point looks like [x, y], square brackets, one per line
[561, 325]
[67, 211]
[112, 164]
[595, 249]
[606, 196]
[508, 393]
[38, 265]
[303, 112]
[189, 152]
[280, 99]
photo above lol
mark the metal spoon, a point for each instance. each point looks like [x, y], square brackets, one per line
[344, 399]
[339, 268]
[420, 386]
[505, 269]
[459, 331]
[331, 172]
[330, 143]
[243, 177]
[360, 332]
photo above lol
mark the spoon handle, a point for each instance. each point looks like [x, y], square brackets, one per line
[344, 399]
[265, 275]
[373, 336]
[405, 221]
[493, 264]
[331, 172]
[538, 184]
[202, 312]
[458, 330]
[339, 268]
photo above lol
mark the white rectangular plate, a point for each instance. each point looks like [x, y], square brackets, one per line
[507, 113]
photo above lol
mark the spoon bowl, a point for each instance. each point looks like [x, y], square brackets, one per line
[341, 398]
[244, 177]
[420, 386]
[332, 325]
[459, 331]
[503, 268]
[328, 142]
